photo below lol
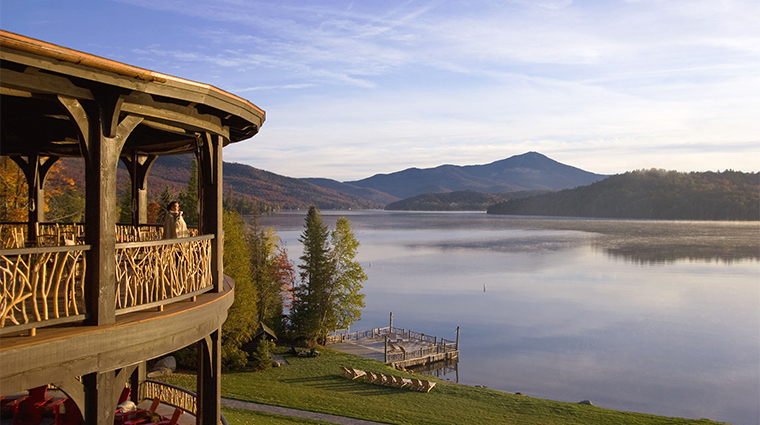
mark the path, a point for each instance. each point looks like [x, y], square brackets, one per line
[285, 411]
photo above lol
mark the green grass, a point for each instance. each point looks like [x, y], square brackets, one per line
[315, 384]
[242, 416]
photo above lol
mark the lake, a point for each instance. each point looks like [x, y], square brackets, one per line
[647, 316]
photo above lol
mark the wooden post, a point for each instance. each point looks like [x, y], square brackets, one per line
[385, 351]
[210, 165]
[35, 170]
[391, 326]
[139, 166]
[456, 347]
[99, 400]
[209, 381]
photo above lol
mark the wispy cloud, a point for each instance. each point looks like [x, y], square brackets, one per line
[355, 88]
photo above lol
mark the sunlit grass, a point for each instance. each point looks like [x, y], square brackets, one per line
[314, 384]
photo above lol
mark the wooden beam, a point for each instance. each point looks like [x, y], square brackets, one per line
[34, 81]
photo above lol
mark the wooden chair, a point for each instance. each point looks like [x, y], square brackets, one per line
[426, 386]
[70, 414]
[401, 382]
[145, 413]
[386, 380]
[172, 421]
[28, 410]
[351, 373]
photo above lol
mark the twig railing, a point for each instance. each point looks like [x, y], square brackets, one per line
[44, 286]
[14, 234]
[175, 396]
[149, 273]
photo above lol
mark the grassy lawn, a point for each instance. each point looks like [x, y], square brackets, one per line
[315, 384]
[240, 417]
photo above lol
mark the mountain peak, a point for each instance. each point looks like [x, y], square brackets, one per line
[528, 171]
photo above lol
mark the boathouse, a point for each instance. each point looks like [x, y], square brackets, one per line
[85, 305]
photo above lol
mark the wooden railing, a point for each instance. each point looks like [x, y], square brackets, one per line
[42, 285]
[149, 273]
[15, 234]
[178, 397]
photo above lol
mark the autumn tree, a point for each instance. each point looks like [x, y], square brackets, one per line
[14, 198]
[272, 272]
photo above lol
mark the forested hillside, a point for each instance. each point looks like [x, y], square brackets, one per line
[651, 194]
[245, 187]
[465, 200]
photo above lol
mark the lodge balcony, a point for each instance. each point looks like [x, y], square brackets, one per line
[163, 299]
[86, 305]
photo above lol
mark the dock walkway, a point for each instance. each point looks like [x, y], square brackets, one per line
[395, 346]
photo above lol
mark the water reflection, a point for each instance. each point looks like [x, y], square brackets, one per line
[670, 254]
[445, 369]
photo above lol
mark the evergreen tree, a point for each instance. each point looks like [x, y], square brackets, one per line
[260, 356]
[125, 207]
[188, 198]
[166, 196]
[328, 295]
[311, 308]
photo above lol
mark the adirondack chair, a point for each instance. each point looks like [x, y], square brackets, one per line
[28, 410]
[401, 382]
[351, 373]
[70, 414]
[144, 415]
[426, 385]
[370, 378]
[172, 421]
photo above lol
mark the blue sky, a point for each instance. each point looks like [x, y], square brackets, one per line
[352, 89]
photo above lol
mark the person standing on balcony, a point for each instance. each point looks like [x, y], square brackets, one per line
[174, 226]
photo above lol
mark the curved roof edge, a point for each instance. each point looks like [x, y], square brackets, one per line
[9, 40]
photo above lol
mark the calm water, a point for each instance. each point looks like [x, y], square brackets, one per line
[646, 316]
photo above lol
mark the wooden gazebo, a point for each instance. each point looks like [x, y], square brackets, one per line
[84, 317]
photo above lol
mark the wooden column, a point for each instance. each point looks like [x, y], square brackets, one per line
[35, 169]
[99, 404]
[210, 165]
[209, 380]
[139, 166]
[102, 136]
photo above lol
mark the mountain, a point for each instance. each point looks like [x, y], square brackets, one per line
[465, 200]
[362, 192]
[529, 171]
[651, 194]
[248, 185]
[287, 192]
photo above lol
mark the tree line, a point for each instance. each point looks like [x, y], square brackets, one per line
[651, 194]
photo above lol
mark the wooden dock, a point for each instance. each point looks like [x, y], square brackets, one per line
[399, 347]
